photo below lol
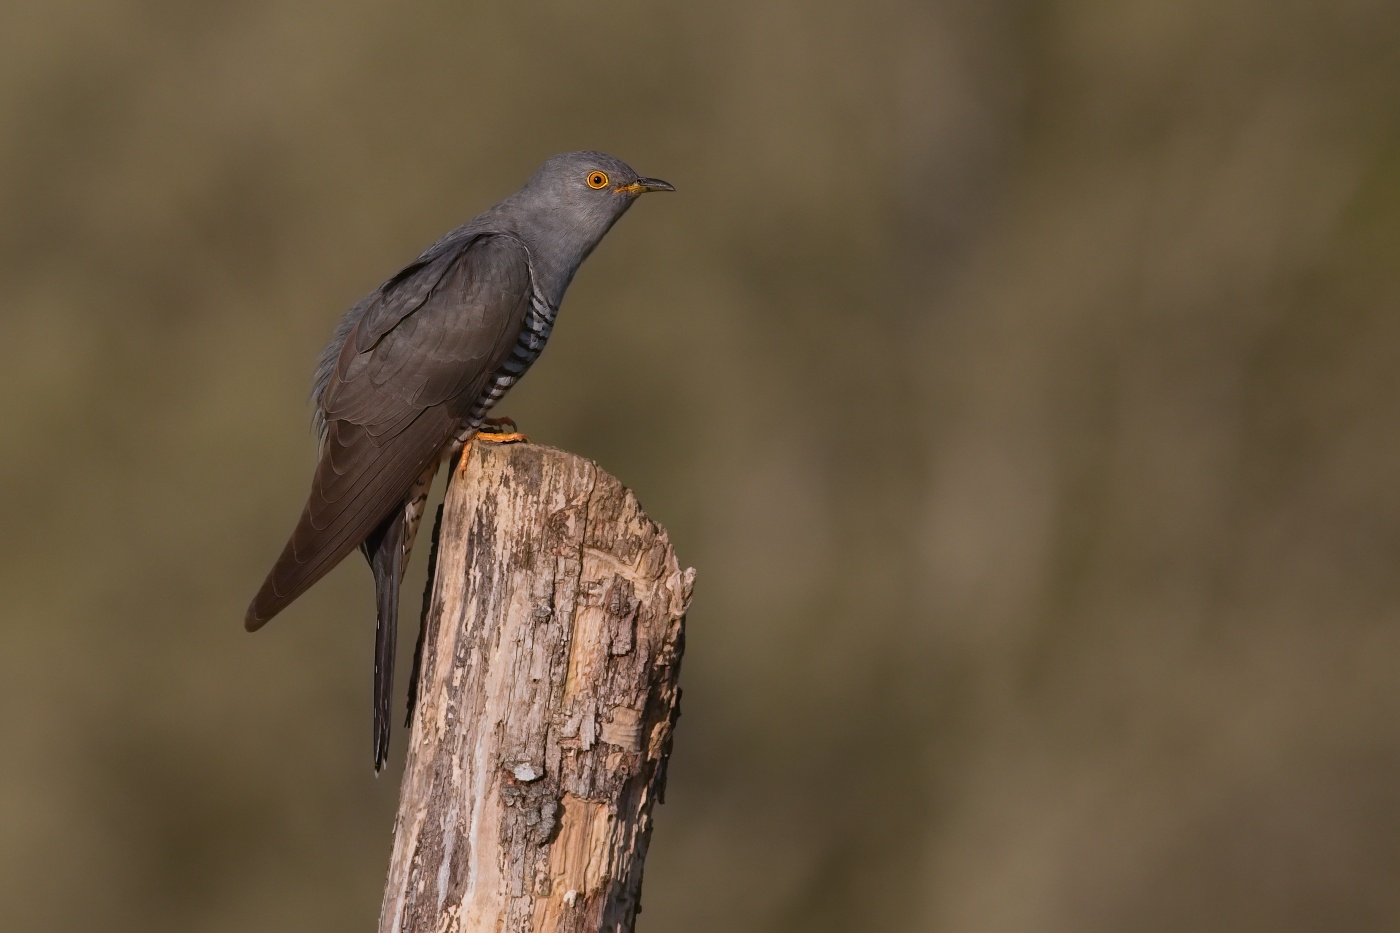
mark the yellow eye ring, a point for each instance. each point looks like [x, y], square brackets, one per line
[597, 179]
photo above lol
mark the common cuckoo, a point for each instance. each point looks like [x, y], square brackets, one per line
[413, 369]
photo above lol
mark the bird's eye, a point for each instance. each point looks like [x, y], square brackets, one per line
[597, 180]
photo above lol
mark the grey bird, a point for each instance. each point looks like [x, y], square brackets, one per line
[413, 369]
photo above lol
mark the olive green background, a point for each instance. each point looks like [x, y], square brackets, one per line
[1022, 378]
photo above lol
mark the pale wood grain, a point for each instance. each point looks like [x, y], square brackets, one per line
[547, 700]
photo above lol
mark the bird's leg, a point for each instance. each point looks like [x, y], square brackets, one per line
[491, 437]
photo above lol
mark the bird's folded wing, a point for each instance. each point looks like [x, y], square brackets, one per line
[391, 408]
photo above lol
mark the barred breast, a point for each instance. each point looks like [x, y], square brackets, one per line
[539, 322]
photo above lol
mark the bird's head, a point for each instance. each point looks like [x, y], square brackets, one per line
[579, 195]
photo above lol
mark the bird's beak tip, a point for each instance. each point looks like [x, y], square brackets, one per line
[654, 184]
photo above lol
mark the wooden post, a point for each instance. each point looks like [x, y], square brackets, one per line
[546, 700]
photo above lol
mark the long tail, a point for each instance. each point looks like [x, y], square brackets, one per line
[387, 550]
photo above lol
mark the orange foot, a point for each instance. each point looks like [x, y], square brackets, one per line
[511, 436]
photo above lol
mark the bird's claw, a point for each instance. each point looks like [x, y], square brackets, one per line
[500, 425]
[501, 431]
[511, 437]
[491, 437]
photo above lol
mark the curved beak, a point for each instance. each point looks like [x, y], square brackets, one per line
[643, 185]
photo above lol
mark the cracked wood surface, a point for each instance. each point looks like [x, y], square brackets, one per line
[547, 698]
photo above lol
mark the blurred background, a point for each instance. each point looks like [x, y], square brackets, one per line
[1022, 378]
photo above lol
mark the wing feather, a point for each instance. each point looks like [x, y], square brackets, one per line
[406, 376]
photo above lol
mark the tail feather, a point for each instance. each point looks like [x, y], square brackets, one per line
[386, 544]
[387, 549]
[384, 549]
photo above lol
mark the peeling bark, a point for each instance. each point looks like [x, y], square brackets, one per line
[547, 697]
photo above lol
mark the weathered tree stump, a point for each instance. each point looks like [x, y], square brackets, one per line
[546, 700]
